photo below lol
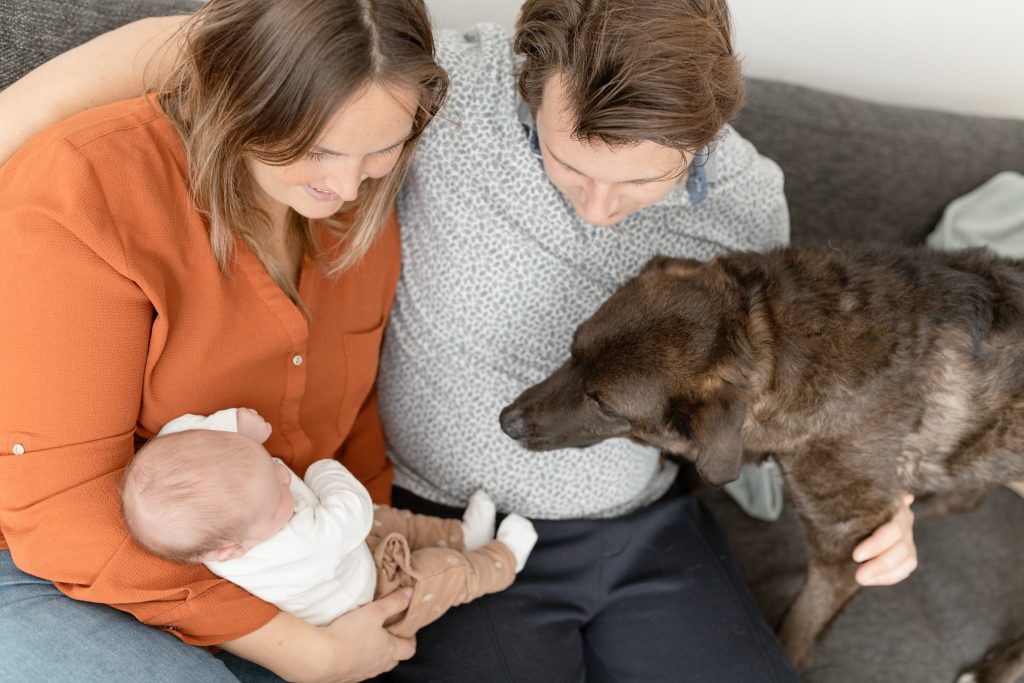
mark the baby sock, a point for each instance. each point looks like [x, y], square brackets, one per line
[519, 535]
[478, 521]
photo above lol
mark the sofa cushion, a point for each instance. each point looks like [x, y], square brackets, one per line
[33, 31]
[862, 171]
[966, 596]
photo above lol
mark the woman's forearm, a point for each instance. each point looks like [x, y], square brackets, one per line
[354, 647]
[114, 66]
[286, 645]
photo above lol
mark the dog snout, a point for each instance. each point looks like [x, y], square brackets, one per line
[512, 421]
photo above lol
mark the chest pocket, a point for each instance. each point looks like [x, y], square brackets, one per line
[362, 357]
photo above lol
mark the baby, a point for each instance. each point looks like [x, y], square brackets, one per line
[205, 490]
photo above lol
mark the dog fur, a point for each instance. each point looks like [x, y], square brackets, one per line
[865, 373]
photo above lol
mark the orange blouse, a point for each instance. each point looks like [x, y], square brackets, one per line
[117, 318]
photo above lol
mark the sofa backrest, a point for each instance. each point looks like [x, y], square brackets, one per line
[33, 31]
[861, 171]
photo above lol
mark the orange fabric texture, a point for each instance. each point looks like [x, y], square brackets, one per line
[116, 319]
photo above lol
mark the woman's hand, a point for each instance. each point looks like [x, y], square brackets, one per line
[360, 647]
[353, 647]
[889, 554]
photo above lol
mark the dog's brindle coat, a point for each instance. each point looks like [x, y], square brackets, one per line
[865, 373]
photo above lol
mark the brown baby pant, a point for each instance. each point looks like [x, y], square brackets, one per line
[425, 553]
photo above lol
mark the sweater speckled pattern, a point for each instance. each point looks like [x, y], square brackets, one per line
[497, 272]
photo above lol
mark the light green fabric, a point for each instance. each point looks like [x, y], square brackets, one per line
[758, 491]
[991, 216]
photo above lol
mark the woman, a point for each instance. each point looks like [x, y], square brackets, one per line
[618, 120]
[186, 252]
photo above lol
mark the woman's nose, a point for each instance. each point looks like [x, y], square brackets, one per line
[345, 183]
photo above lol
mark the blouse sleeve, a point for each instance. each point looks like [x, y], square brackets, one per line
[72, 361]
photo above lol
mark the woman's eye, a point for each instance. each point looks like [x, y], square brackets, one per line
[316, 156]
[389, 151]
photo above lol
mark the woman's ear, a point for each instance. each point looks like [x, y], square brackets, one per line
[717, 431]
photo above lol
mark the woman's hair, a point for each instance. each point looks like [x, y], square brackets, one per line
[633, 70]
[262, 78]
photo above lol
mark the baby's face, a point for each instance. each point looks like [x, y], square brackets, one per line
[270, 500]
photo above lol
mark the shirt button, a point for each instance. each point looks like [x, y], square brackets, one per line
[18, 449]
[296, 360]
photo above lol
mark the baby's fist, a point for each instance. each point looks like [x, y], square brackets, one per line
[250, 424]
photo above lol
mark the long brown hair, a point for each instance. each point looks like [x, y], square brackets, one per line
[659, 70]
[262, 78]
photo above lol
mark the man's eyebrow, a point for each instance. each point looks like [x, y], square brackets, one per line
[330, 152]
[653, 179]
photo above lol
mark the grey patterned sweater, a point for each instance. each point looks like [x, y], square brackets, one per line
[497, 272]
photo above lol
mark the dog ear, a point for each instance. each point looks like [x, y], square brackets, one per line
[717, 429]
[676, 267]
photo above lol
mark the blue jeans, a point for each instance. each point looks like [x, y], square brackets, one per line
[47, 636]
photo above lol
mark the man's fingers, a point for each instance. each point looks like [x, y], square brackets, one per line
[889, 561]
[877, 543]
[893, 576]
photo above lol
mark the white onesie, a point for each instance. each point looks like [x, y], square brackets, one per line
[318, 566]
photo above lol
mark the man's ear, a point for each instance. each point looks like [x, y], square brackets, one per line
[717, 430]
[224, 553]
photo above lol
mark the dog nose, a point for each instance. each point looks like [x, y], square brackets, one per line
[512, 422]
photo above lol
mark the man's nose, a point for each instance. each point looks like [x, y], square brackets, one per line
[599, 205]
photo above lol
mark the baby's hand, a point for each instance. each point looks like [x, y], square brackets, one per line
[250, 424]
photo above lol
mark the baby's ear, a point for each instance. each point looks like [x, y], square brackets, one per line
[223, 554]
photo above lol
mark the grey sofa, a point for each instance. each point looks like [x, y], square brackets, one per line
[856, 171]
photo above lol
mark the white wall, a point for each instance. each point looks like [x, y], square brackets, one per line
[946, 54]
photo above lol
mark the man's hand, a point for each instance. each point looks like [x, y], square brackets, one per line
[250, 424]
[889, 554]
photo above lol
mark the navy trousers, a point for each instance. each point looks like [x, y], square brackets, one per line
[652, 596]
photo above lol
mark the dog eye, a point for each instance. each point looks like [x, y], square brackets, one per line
[600, 406]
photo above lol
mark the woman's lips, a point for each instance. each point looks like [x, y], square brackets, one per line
[320, 195]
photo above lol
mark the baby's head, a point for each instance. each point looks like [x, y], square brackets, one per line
[202, 495]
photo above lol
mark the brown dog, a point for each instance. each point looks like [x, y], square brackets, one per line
[866, 374]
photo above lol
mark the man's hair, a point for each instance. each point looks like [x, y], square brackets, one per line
[262, 79]
[634, 70]
[182, 494]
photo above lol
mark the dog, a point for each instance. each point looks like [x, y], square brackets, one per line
[865, 373]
